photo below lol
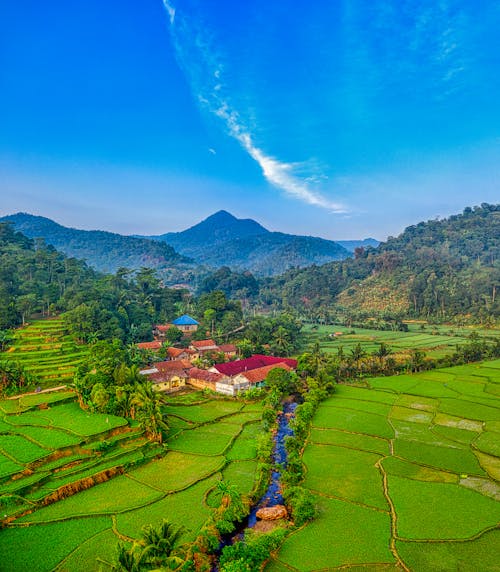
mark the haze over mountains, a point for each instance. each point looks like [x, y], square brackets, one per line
[219, 240]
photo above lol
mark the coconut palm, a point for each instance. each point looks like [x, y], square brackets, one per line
[160, 542]
[146, 402]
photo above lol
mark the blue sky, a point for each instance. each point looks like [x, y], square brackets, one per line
[340, 119]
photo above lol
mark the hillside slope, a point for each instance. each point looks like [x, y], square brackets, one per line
[104, 251]
[440, 268]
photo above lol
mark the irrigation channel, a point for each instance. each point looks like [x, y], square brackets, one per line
[272, 496]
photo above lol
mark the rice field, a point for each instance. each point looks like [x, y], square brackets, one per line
[46, 351]
[423, 496]
[435, 341]
[52, 489]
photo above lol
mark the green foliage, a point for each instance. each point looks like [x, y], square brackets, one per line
[302, 504]
[250, 554]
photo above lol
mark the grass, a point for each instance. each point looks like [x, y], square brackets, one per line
[206, 440]
[102, 546]
[355, 421]
[455, 460]
[436, 436]
[44, 349]
[481, 554]
[343, 534]
[242, 474]
[209, 411]
[352, 475]
[429, 510]
[245, 445]
[351, 440]
[40, 548]
[177, 470]
[184, 508]
[20, 449]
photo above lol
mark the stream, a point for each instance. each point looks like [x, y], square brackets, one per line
[272, 496]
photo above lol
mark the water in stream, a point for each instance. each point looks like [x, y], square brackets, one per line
[272, 496]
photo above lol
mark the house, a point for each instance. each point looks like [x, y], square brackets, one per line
[202, 347]
[186, 324]
[233, 368]
[257, 377]
[160, 331]
[229, 350]
[179, 353]
[151, 346]
[168, 376]
[202, 379]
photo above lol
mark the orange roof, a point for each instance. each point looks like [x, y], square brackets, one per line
[260, 374]
[163, 327]
[176, 352]
[156, 345]
[205, 345]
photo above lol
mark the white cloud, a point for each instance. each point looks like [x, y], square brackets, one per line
[170, 10]
[206, 82]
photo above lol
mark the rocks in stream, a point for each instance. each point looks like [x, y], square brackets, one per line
[272, 512]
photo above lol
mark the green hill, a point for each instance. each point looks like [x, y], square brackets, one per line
[439, 268]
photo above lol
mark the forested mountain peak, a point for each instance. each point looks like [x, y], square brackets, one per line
[105, 251]
[444, 268]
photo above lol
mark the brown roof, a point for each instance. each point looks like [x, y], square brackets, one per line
[227, 348]
[260, 374]
[178, 365]
[162, 327]
[156, 345]
[205, 345]
[162, 376]
[197, 373]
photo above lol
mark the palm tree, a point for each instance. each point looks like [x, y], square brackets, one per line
[357, 354]
[159, 543]
[128, 559]
[148, 411]
[382, 353]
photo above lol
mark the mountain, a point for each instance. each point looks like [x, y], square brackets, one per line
[244, 244]
[104, 251]
[442, 269]
[351, 245]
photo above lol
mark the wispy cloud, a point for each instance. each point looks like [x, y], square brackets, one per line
[205, 71]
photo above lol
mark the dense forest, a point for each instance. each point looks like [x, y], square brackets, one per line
[104, 251]
[440, 269]
[37, 279]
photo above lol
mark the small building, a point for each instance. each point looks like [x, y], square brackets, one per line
[186, 324]
[203, 379]
[233, 368]
[160, 331]
[168, 376]
[151, 346]
[229, 350]
[257, 377]
[202, 347]
[179, 353]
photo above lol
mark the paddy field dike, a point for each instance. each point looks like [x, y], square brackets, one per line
[73, 483]
[46, 351]
[406, 475]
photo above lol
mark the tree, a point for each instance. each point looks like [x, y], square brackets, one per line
[148, 411]
[160, 542]
[25, 305]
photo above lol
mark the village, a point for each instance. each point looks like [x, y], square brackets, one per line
[192, 366]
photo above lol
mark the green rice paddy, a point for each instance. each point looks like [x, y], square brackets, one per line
[47, 452]
[45, 350]
[436, 341]
[423, 496]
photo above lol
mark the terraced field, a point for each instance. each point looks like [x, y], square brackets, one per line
[55, 513]
[438, 344]
[406, 472]
[45, 351]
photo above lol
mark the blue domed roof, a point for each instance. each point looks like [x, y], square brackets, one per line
[185, 320]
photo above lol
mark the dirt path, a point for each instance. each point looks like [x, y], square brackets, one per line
[49, 390]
